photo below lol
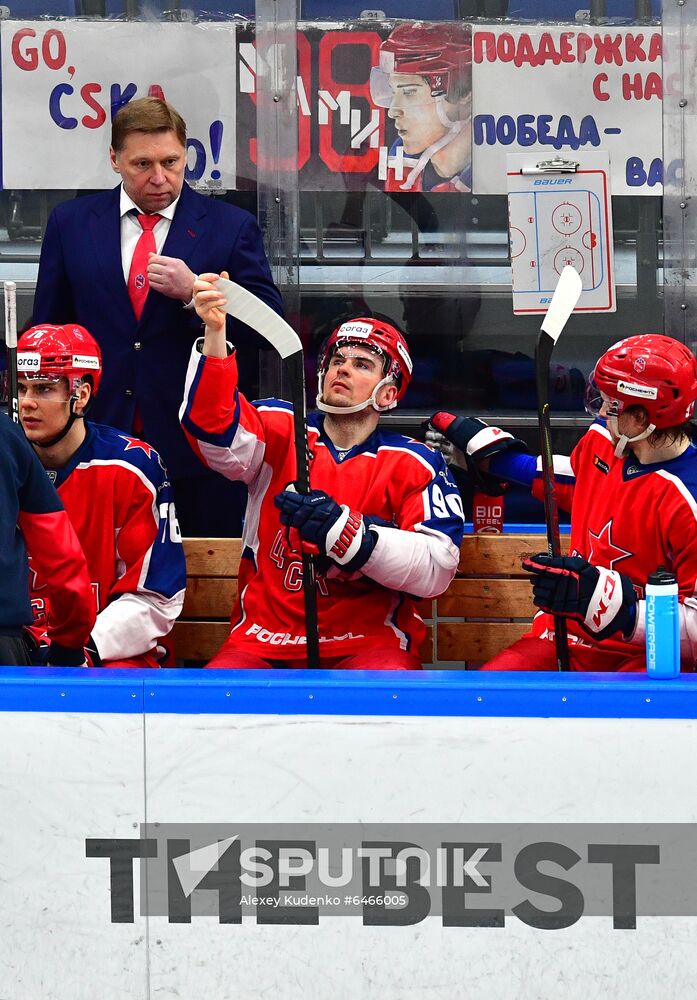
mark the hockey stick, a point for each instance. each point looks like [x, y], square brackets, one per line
[10, 289]
[564, 300]
[247, 308]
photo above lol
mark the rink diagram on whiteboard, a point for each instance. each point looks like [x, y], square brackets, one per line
[555, 220]
[553, 231]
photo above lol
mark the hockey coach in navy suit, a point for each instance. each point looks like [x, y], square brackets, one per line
[122, 264]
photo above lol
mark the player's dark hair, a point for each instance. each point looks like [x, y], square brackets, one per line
[147, 114]
[664, 435]
[669, 435]
[87, 379]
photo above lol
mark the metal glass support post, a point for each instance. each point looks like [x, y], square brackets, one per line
[277, 159]
[680, 169]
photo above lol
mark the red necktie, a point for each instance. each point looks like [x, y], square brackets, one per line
[138, 284]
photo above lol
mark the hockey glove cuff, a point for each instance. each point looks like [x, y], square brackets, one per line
[92, 654]
[467, 442]
[44, 653]
[64, 656]
[326, 527]
[602, 600]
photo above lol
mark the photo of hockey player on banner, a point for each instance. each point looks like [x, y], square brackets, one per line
[424, 79]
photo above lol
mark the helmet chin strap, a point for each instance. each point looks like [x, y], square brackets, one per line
[371, 401]
[453, 129]
[623, 440]
[72, 417]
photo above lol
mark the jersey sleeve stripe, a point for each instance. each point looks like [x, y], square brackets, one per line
[201, 413]
[682, 489]
[270, 405]
[196, 426]
[129, 467]
[563, 471]
[599, 428]
[241, 462]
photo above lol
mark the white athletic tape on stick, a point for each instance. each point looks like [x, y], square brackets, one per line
[250, 310]
[10, 288]
[566, 295]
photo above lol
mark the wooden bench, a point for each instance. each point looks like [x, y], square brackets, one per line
[486, 607]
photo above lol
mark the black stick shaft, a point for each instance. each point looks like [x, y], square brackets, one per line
[543, 354]
[13, 391]
[296, 376]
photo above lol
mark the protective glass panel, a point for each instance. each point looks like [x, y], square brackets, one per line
[368, 205]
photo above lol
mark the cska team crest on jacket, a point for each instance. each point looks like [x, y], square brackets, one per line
[120, 502]
[628, 517]
[389, 476]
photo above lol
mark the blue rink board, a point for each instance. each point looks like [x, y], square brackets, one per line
[336, 692]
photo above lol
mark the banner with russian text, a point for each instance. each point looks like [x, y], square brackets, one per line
[562, 90]
[368, 117]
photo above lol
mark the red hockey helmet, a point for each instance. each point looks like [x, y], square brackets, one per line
[654, 371]
[378, 336]
[441, 53]
[67, 351]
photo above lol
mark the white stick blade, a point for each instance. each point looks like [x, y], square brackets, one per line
[10, 290]
[250, 310]
[566, 295]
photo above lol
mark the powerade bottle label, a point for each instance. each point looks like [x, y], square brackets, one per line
[662, 625]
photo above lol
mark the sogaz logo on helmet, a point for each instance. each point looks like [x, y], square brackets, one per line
[28, 361]
[633, 389]
[354, 330]
[85, 361]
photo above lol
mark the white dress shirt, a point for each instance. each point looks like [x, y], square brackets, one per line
[131, 229]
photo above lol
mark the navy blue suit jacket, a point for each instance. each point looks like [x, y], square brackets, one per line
[81, 281]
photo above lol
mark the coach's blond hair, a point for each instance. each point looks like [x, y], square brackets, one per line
[147, 114]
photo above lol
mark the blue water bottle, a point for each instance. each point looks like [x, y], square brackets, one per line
[662, 625]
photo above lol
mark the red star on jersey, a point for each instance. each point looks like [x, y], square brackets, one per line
[601, 550]
[136, 443]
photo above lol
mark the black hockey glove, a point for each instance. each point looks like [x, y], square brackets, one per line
[44, 653]
[467, 442]
[602, 600]
[326, 528]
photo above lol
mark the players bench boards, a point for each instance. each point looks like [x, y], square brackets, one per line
[486, 607]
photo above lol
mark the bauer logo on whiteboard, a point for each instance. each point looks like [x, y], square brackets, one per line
[641, 391]
[28, 361]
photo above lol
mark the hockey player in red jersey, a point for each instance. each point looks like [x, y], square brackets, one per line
[424, 78]
[117, 496]
[30, 503]
[390, 498]
[631, 488]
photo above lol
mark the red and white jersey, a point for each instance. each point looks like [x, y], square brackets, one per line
[389, 476]
[117, 495]
[631, 518]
